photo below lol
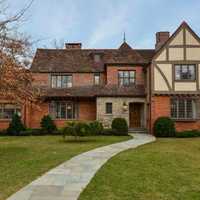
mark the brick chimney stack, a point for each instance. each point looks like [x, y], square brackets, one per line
[161, 38]
[73, 45]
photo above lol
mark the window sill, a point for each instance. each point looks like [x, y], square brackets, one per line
[65, 119]
[185, 120]
[5, 120]
[193, 81]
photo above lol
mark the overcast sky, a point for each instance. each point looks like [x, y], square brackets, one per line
[101, 23]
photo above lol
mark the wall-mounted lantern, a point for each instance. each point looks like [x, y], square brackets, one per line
[125, 107]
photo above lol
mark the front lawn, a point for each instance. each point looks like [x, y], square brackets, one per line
[22, 159]
[168, 169]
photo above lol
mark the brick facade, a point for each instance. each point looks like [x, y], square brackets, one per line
[112, 74]
[154, 81]
[160, 106]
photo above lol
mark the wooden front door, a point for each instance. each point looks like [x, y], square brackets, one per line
[135, 115]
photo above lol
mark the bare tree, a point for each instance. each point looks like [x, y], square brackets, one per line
[15, 57]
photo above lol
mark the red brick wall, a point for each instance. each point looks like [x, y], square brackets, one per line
[87, 112]
[112, 74]
[83, 79]
[35, 114]
[4, 124]
[79, 79]
[161, 107]
[41, 79]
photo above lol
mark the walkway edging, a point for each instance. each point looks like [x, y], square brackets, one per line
[68, 180]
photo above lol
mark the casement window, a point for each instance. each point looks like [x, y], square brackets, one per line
[183, 108]
[61, 81]
[63, 110]
[126, 78]
[185, 72]
[109, 108]
[97, 79]
[8, 110]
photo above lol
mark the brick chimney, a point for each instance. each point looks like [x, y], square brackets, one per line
[73, 45]
[161, 38]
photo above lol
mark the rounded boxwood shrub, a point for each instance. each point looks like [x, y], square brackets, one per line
[81, 129]
[120, 126]
[164, 127]
[15, 126]
[47, 124]
[96, 128]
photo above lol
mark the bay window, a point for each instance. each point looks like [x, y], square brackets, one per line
[63, 110]
[183, 109]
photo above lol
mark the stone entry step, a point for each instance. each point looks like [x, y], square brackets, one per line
[138, 130]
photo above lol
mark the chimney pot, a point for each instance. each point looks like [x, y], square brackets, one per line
[73, 45]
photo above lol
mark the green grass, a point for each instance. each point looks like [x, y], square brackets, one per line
[168, 169]
[22, 159]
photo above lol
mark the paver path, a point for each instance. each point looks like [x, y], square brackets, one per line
[68, 180]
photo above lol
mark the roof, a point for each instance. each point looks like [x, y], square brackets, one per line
[96, 91]
[182, 26]
[81, 60]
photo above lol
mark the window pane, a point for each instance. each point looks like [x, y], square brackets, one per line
[191, 72]
[64, 81]
[69, 111]
[121, 81]
[177, 72]
[120, 74]
[181, 108]
[69, 81]
[174, 108]
[97, 79]
[132, 74]
[52, 109]
[108, 108]
[59, 81]
[126, 74]
[57, 107]
[63, 110]
[132, 80]
[126, 81]
[53, 81]
[1, 113]
[189, 109]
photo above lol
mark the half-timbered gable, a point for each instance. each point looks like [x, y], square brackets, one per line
[175, 67]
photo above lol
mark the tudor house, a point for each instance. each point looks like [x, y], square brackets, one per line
[139, 85]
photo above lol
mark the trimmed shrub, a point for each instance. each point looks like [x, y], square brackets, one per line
[15, 126]
[76, 129]
[38, 132]
[47, 124]
[95, 128]
[82, 129]
[69, 130]
[164, 127]
[188, 134]
[120, 126]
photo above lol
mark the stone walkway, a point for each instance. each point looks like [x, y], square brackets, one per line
[68, 180]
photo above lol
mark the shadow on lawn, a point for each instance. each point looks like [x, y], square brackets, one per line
[79, 140]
